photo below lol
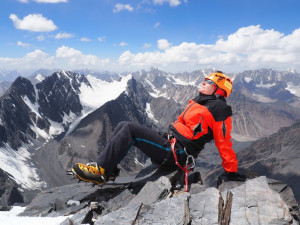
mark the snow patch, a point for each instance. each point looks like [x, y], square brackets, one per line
[17, 164]
[248, 79]
[11, 218]
[295, 90]
[55, 128]
[69, 118]
[39, 132]
[34, 107]
[149, 113]
[155, 92]
[39, 77]
[261, 85]
[263, 99]
[100, 92]
[181, 82]
[242, 138]
[92, 97]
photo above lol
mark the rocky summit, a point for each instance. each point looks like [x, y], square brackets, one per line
[153, 200]
[52, 120]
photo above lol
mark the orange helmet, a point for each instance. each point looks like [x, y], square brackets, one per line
[222, 81]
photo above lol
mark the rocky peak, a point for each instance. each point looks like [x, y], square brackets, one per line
[15, 113]
[21, 87]
[154, 201]
[58, 94]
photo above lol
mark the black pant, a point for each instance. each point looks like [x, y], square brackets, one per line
[128, 134]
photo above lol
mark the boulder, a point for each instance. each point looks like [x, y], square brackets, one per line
[9, 192]
[254, 202]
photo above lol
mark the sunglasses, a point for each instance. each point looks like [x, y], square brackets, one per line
[210, 82]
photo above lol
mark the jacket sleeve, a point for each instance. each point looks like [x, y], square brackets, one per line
[222, 137]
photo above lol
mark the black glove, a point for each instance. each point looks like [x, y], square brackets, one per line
[234, 176]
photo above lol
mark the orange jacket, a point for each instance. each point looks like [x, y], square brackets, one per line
[201, 122]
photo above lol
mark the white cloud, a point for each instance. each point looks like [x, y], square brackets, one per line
[63, 35]
[25, 45]
[121, 7]
[172, 3]
[163, 44]
[66, 52]
[249, 48]
[33, 22]
[65, 58]
[33, 60]
[123, 43]
[85, 39]
[146, 45]
[156, 25]
[41, 37]
[101, 39]
[76, 59]
[250, 39]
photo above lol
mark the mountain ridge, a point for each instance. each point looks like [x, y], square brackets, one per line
[51, 111]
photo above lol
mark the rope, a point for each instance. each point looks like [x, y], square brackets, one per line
[188, 167]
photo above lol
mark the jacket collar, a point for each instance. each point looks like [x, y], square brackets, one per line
[203, 99]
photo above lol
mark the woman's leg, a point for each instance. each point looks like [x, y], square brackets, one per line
[128, 134]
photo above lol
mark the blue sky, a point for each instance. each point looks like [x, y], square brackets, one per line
[128, 35]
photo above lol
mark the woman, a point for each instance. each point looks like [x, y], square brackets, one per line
[207, 117]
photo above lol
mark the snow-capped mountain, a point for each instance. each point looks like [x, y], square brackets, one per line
[68, 116]
[31, 115]
[266, 85]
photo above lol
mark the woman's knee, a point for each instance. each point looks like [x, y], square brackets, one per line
[124, 124]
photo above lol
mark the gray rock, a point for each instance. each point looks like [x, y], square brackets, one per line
[255, 203]
[123, 216]
[153, 191]
[55, 199]
[117, 202]
[204, 207]
[167, 211]
[76, 218]
[71, 210]
[9, 193]
[238, 203]
[287, 195]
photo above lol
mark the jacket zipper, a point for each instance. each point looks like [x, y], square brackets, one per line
[187, 110]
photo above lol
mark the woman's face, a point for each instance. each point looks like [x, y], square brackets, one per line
[206, 88]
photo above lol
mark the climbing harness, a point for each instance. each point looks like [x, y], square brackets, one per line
[188, 166]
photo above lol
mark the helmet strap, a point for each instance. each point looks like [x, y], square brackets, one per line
[215, 89]
[220, 92]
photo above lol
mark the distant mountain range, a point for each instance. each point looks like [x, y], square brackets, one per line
[276, 156]
[49, 121]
